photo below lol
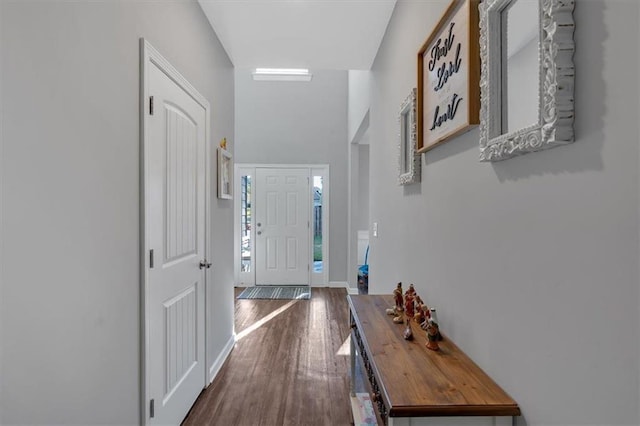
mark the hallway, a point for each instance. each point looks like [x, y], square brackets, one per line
[290, 365]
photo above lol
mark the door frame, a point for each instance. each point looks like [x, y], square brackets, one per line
[149, 55]
[249, 279]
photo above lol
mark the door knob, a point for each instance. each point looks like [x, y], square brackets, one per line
[259, 232]
[259, 224]
[204, 264]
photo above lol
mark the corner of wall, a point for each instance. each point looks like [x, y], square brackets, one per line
[217, 364]
[343, 284]
[362, 128]
[359, 100]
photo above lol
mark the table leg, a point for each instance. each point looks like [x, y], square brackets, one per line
[353, 364]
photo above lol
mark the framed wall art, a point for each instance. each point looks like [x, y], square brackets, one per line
[448, 76]
[527, 76]
[225, 174]
[408, 158]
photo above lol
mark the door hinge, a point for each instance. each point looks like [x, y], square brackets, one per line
[152, 408]
[151, 258]
[150, 105]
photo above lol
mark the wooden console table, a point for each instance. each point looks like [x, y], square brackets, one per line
[410, 384]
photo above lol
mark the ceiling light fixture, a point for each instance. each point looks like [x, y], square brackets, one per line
[282, 74]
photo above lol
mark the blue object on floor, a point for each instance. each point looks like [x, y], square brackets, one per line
[364, 269]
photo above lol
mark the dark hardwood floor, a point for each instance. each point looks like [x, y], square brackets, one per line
[290, 365]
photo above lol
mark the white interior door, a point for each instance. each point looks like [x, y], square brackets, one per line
[175, 225]
[282, 226]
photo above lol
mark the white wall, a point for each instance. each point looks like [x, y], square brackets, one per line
[70, 271]
[363, 187]
[305, 123]
[353, 212]
[359, 101]
[531, 262]
[358, 133]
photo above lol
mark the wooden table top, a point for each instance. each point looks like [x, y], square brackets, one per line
[418, 382]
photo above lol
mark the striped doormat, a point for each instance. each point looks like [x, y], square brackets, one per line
[272, 292]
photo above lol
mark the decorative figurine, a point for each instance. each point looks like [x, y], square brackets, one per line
[408, 304]
[417, 307]
[409, 297]
[417, 316]
[432, 335]
[426, 314]
[434, 318]
[397, 295]
[408, 333]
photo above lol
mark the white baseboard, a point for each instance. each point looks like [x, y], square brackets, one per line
[343, 284]
[217, 364]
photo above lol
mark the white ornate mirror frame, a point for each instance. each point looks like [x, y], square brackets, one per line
[408, 158]
[556, 80]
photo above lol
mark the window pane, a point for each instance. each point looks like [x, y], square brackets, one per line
[245, 223]
[317, 224]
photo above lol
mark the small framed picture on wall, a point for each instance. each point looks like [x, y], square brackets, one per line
[225, 174]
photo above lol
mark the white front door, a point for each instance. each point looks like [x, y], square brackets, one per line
[282, 226]
[175, 188]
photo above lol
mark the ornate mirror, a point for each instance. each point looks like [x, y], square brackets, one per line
[408, 158]
[526, 76]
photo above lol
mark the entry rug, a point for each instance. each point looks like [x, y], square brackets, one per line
[272, 292]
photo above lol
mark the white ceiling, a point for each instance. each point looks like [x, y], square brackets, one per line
[314, 34]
